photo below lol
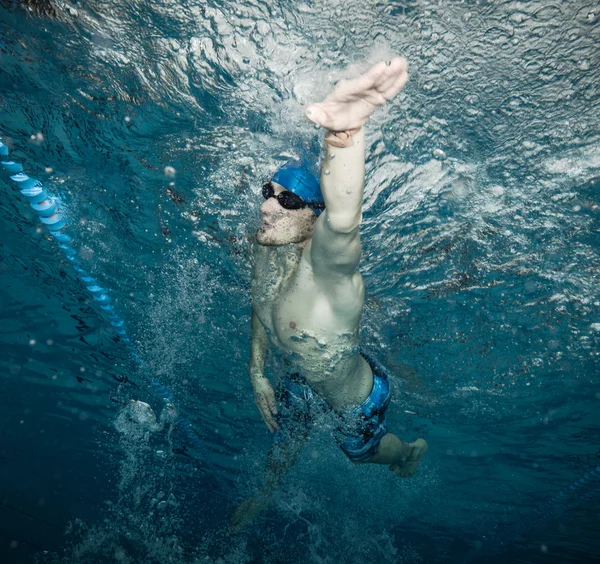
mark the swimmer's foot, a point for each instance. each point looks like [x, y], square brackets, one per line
[349, 106]
[246, 511]
[408, 467]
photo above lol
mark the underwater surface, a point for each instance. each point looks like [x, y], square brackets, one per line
[154, 125]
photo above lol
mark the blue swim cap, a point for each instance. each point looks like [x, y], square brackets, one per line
[297, 177]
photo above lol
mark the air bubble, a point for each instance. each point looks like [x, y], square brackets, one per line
[439, 154]
[326, 172]
[170, 171]
[37, 139]
[388, 63]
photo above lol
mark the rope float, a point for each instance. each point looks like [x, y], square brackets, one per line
[52, 213]
[568, 498]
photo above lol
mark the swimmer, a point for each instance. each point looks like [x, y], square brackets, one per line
[308, 296]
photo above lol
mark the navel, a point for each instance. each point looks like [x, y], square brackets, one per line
[292, 324]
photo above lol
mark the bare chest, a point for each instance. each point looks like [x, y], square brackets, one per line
[299, 316]
[282, 296]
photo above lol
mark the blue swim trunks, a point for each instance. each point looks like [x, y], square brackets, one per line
[359, 429]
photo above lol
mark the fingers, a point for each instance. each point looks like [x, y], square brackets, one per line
[390, 68]
[268, 422]
[272, 403]
[317, 115]
[384, 73]
[268, 410]
[394, 86]
[398, 64]
[392, 77]
[339, 139]
[353, 101]
[386, 77]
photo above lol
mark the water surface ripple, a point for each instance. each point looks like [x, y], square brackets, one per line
[157, 124]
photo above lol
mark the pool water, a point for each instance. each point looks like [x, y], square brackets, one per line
[155, 124]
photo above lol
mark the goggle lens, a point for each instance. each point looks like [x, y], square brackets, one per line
[286, 199]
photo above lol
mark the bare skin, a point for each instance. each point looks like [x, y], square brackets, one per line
[308, 294]
[352, 102]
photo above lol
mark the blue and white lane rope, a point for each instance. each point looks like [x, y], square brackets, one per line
[578, 492]
[52, 213]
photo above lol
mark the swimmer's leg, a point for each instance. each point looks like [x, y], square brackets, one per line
[282, 456]
[402, 458]
[295, 422]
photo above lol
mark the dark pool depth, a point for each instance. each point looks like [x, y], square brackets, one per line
[155, 125]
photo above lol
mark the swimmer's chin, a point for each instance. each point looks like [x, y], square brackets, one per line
[274, 236]
[262, 238]
[265, 238]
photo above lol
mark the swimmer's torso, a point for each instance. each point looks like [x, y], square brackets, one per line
[315, 328]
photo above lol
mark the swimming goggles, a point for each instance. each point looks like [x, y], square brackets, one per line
[289, 200]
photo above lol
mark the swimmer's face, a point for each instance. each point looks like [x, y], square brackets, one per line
[281, 226]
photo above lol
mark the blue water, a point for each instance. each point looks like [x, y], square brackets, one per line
[156, 124]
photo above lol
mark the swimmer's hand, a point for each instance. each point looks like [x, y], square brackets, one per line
[353, 101]
[264, 396]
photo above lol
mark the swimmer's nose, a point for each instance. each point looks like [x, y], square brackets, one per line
[269, 206]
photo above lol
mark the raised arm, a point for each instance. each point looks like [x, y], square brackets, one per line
[335, 246]
[335, 249]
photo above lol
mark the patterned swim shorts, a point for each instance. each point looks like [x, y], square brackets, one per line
[359, 429]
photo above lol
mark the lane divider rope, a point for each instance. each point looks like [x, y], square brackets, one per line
[571, 496]
[52, 213]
